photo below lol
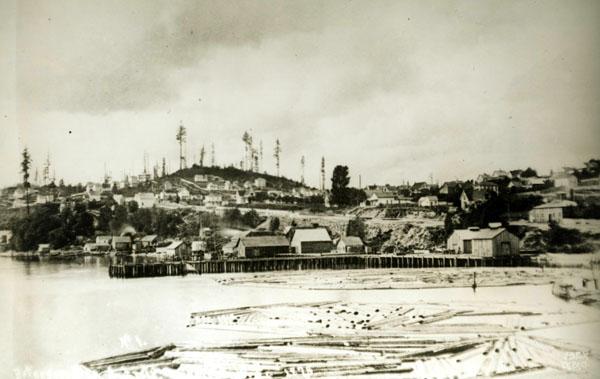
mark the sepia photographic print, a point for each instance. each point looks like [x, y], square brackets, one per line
[299, 189]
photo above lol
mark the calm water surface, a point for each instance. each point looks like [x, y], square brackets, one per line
[55, 315]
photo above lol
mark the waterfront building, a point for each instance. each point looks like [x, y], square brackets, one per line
[262, 246]
[313, 240]
[484, 242]
[350, 244]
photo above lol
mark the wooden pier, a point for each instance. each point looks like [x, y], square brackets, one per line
[144, 270]
[323, 262]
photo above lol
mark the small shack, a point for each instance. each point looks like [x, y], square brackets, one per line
[103, 240]
[428, 201]
[486, 242]
[5, 237]
[121, 244]
[149, 242]
[43, 248]
[350, 244]
[549, 212]
[176, 249]
[262, 246]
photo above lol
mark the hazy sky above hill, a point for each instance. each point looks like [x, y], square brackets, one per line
[396, 90]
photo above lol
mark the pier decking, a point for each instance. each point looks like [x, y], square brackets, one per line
[324, 262]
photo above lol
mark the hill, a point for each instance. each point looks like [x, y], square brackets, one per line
[234, 174]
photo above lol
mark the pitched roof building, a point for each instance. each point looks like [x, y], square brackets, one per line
[262, 246]
[488, 242]
[313, 240]
[350, 244]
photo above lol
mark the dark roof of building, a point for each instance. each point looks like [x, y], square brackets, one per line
[264, 241]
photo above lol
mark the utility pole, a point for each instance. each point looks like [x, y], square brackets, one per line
[164, 167]
[202, 152]
[302, 165]
[248, 151]
[180, 137]
[25, 165]
[322, 173]
[260, 162]
[46, 171]
[277, 154]
[212, 155]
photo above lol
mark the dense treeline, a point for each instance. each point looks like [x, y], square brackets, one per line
[66, 226]
[235, 174]
[46, 224]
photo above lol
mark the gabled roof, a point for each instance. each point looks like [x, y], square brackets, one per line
[563, 175]
[351, 241]
[149, 238]
[381, 194]
[319, 234]
[121, 239]
[480, 234]
[175, 244]
[557, 204]
[264, 241]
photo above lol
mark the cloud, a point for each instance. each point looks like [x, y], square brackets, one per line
[396, 90]
[126, 68]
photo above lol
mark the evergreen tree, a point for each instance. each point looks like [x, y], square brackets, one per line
[25, 165]
[339, 185]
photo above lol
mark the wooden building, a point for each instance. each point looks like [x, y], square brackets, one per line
[315, 240]
[549, 212]
[428, 201]
[262, 246]
[149, 242]
[350, 244]
[122, 244]
[176, 249]
[487, 242]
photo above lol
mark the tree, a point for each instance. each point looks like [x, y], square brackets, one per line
[180, 137]
[356, 227]
[339, 185]
[277, 154]
[119, 219]
[104, 218]
[25, 165]
[84, 223]
[232, 217]
[202, 153]
[274, 224]
[528, 173]
[251, 218]
[141, 220]
[132, 206]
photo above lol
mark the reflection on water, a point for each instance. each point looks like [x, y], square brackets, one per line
[56, 315]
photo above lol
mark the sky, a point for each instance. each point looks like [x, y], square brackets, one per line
[396, 90]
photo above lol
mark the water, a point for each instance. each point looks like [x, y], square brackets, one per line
[55, 315]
